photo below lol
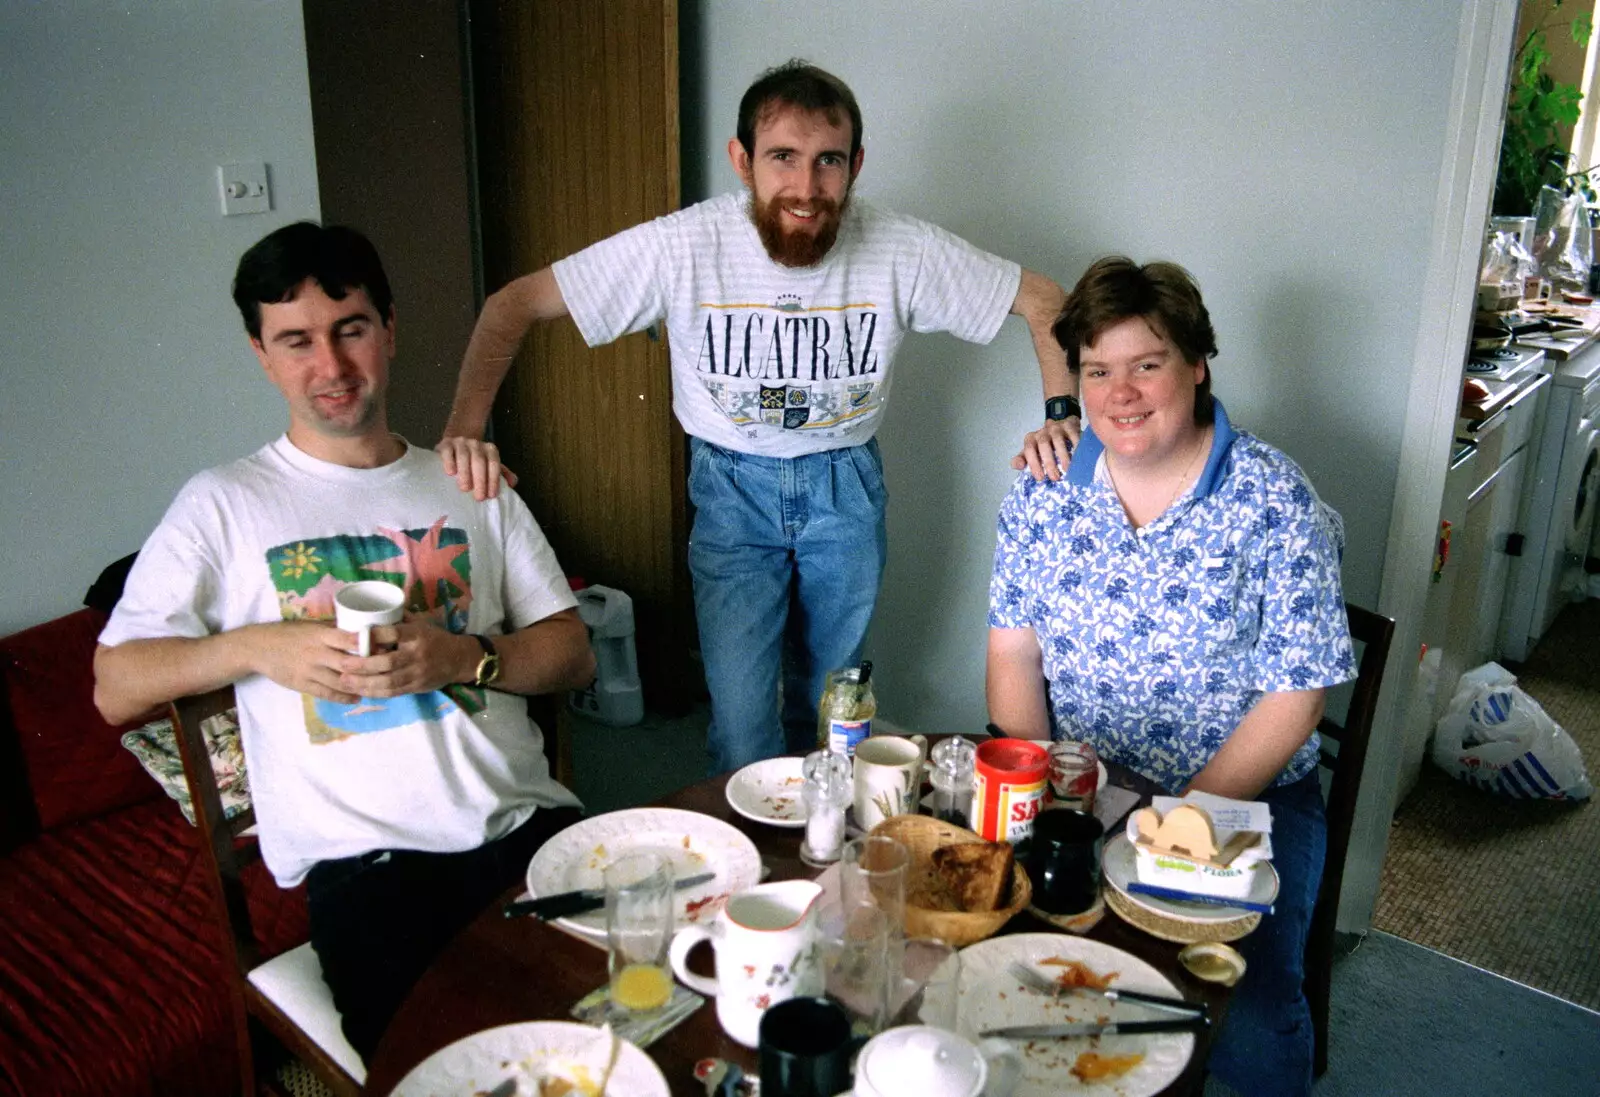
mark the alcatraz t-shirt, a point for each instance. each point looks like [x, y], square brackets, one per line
[775, 360]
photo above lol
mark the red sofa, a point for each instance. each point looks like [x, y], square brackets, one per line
[111, 962]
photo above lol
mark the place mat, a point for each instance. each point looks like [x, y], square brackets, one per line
[639, 1029]
[1170, 929]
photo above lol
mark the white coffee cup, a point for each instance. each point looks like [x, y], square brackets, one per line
[888, 777]
[930, 1062]
[358, 607]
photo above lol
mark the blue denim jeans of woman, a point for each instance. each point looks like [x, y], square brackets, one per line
[1265, 1045]
[786, 552]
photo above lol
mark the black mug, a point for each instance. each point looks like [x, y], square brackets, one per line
[806, 1049]
[1063, 860]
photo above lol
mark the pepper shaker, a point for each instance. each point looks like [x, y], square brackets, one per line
[952, 762]
[828, 790]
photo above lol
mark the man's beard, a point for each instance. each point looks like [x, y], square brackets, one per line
[798, 248]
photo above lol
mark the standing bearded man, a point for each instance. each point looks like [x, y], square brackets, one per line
[784, 307]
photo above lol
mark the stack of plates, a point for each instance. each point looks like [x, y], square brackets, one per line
[1172, 920]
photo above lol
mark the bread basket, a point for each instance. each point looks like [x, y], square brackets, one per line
[921, 835]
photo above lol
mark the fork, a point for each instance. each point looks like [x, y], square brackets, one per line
[1032, 980]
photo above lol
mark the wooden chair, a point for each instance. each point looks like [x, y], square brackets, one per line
[1373, 632]
[284, 999]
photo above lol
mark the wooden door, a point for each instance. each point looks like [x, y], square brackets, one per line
[577, 121]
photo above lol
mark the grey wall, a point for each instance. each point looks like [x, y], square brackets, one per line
[1286, 154]
[125, 366]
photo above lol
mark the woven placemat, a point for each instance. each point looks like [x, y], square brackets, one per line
[1175, 929]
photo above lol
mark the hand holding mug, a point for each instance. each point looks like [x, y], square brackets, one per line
[358, 607]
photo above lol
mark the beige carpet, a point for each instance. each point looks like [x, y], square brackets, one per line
[1511, 886]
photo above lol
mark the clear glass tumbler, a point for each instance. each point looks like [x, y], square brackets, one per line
[639, 924]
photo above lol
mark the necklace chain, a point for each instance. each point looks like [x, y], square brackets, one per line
[1183, 479]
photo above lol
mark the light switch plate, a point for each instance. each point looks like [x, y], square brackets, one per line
[244, 189]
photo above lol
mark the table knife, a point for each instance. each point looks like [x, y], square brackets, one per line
[1136, 887]
[1195, 1023]
[567, 903]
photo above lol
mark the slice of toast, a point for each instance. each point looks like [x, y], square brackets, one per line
[978, 873]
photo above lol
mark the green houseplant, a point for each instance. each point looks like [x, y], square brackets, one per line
[1532, 153]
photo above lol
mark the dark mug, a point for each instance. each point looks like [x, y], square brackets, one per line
[806, 1048]
[1064, 860]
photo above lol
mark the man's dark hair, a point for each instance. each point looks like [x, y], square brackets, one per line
[1165, 295]
[797, 83]
[339, 259]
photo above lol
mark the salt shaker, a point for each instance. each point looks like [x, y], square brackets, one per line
[827, 792]
[952, 762]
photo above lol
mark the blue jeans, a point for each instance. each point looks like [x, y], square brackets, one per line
[1265, 1045]
[785, 552]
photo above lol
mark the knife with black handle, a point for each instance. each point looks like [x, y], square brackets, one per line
[565, 904]
[1195, 1023]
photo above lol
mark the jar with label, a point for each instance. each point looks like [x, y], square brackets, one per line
[950, 771]
[1008, 786]
[845, 712]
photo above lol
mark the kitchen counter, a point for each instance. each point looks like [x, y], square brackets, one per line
[1559, 346]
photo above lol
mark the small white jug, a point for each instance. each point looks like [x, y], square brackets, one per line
[765, 940]
[921, 1061]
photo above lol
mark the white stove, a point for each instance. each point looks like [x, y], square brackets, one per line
[1504, 363]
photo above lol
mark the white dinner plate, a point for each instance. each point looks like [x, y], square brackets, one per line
[991, 997]
[575, 859]
[478, 1063]
[1119, 866]
[769, 792]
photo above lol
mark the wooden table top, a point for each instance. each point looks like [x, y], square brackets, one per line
[501, 971]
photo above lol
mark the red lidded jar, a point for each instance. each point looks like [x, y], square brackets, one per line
[1008, 788]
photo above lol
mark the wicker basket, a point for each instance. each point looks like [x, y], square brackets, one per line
[921, 835]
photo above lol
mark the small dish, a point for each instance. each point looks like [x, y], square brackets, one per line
[1213, 961]
[770, 792]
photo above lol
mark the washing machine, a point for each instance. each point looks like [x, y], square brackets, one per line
[1558, 513]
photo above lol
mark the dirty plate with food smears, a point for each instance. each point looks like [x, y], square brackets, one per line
[770, 792]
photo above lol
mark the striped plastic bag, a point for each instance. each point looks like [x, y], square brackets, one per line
[1497, 738]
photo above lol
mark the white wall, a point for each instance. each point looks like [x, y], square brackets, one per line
[1286, 154]
[124, 362]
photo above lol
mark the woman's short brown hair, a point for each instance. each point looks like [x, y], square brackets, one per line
[1115, 289]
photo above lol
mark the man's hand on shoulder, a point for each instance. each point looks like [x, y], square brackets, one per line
[1047, 452]
[418, 657]
[475, 464]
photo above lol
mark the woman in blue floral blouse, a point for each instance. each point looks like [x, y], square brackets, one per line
[1175, 600]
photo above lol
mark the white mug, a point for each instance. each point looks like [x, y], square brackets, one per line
[358, 607]
[888, 777]
[765, 941]
[930, 1062]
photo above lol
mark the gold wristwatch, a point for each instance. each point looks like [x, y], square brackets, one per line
[489, 665]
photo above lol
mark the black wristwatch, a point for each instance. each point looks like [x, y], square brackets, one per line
[1062, 407]
[489, 665]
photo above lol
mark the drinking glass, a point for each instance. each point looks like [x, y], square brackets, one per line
[928, 984]
[639, 923]
[873, 871]
[854, 943]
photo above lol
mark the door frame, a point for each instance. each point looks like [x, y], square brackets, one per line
[1471, 149]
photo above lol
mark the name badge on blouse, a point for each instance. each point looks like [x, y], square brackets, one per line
[1215, 563]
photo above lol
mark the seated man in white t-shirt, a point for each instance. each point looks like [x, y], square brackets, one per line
[407, 788]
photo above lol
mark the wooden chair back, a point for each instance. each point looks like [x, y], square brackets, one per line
[1344, 755]
[227, 851]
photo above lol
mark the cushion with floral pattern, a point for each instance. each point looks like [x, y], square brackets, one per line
[156, 747]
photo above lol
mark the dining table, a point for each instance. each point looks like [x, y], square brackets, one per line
[501, 970]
